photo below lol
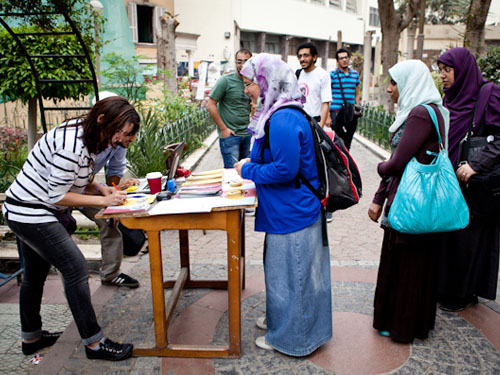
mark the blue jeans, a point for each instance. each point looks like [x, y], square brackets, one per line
[233, 149]
[298, 291]
[43, 245]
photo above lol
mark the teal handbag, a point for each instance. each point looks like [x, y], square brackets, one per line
[429, 199]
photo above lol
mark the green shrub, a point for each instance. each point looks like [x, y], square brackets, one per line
[490, 65]
[13, 154]
[146, 153]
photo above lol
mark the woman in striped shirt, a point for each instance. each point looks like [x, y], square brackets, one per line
[59, 174]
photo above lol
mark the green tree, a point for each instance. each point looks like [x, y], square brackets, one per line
[446, 11]
[392, 21]
[15, 72]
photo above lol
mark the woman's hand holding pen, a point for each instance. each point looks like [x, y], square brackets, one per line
[239, 164]
[116, 198]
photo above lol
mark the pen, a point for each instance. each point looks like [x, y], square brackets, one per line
[116, 187]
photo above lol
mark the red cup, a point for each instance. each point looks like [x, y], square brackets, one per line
[154, 182]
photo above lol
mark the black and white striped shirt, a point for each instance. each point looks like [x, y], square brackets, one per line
[59, 163]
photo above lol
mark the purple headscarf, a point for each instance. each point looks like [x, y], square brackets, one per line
[278, 88]
[461, 97]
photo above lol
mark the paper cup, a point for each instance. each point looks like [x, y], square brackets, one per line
[154, 182]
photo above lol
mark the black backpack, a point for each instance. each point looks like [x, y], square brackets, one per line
[339, 177]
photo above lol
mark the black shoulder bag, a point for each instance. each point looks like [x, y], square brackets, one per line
[346, 112]
[482, 191]
[470, 144]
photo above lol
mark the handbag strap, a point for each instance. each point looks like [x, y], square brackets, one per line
[432, 113]
[340, 84]
[472, 125]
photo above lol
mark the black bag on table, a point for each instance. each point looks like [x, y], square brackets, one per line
[482, 191]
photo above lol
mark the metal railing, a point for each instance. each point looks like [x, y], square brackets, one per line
[192, 129]
[374, 125]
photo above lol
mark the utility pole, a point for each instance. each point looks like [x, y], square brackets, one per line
[367, 63]
[421, 23]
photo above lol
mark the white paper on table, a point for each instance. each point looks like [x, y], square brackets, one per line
[183, 206]
[225, 202]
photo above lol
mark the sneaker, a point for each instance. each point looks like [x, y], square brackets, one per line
[262, 343]
[329, 217]
[122, 280]
[47, 339]
[261, 323]
[110, 351]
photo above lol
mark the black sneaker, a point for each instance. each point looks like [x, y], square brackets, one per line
[122, 280]
[110, 351]
[47, 339]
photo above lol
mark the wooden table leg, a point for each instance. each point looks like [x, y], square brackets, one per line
[242, 244]
[234, 281]
[156, 266]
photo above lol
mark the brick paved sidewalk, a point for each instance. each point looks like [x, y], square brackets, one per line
[464, 343]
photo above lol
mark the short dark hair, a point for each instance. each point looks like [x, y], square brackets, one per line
[243, 50]
[342, 50]
[312, 48]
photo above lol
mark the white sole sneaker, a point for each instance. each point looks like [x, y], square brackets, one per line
[261, 323]
[261, 342]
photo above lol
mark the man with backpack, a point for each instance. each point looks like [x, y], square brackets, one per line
[314, 83]
[345, 95]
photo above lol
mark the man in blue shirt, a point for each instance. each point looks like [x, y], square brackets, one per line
[350, 86]
[114, 159]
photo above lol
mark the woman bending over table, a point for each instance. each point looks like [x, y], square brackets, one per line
[59, 174]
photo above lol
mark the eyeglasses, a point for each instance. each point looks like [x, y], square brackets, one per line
[239, 62]
[248, 84]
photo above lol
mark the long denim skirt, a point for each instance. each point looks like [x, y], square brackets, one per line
[298, 291]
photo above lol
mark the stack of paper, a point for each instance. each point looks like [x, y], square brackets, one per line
[134, 203]
[205, 178]
[199, 191]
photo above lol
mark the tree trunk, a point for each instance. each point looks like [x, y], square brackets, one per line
[167, 65]
[32, 120]
[474, 26]
[392, 23]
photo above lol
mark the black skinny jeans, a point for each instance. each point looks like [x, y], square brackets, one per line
[46, 244]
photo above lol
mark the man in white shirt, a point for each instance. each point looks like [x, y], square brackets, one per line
[314, 82]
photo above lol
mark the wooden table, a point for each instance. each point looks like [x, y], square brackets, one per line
[229, 219]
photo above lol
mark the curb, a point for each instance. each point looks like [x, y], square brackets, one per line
[374, 148]
[194, 158]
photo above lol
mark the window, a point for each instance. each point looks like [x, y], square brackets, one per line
[335, 3]
[247, 40]
[272, 44]
[351, 6]
[374, 19]
[144, 22]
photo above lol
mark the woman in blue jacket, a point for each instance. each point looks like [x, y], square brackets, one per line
[296, 264]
